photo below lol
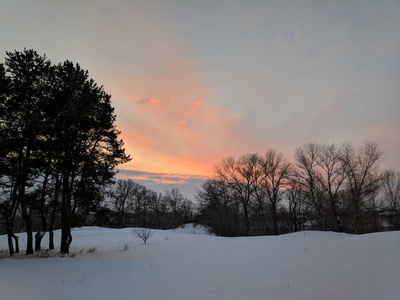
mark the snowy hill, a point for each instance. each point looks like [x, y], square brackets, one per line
[189, 264]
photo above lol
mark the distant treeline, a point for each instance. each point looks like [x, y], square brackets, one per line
[328, 187]
[129, 204]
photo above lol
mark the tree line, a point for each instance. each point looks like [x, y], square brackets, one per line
[327, 187]
[59, 146]
[130, 204]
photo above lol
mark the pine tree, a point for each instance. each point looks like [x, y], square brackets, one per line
[24, 127]
[87, 139]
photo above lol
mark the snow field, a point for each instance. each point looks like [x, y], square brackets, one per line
[179, 264]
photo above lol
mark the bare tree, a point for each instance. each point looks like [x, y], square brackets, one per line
[143, 233]
[122, 193]
[339, 182]
[363, 177]
[306, 158]
[330, 172]
[174, 200]
[242, 175]
[159, 210]
[299, 207]
[218, 210]
[275, 178]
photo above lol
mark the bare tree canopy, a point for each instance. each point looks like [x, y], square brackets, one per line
[328, 187]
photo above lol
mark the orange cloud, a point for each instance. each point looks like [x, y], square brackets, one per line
[159, 143]
[196, 104]
[194, 107]
[177, 128]
[153, 101]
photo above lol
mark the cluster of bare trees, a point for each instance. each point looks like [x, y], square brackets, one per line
[328, 187]
[134, 205]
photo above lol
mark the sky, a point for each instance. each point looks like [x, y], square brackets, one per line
[195, 81]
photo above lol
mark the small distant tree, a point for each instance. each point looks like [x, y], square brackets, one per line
[143, 233]
[121, 194]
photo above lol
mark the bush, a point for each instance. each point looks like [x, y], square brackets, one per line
[143, 233]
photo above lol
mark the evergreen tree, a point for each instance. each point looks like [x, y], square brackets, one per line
[8, 199]
[24, 127]
[89, 148]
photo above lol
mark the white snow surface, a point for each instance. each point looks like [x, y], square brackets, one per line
[186, 264]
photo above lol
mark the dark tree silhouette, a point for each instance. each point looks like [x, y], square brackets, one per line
[242, 175]
[276, 173]
[88, 141]
[8, 196]
[24, 125]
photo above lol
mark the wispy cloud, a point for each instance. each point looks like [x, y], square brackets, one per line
[193, 135]
[161, 182]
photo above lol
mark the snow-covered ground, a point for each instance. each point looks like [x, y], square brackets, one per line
[181, 264]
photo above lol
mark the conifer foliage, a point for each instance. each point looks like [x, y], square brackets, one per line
[59, 142]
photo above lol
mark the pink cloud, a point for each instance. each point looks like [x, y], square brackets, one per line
[161, 141]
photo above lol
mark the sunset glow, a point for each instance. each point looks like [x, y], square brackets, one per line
[193, 82]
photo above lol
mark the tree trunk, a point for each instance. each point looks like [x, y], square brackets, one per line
[66, 240]
[51, 240]
[29, 233]
[10, 242]
[274, 221]
[28, 220]
[337, 219]
[339, 226]
[39, 235]
[38, 239]
[356, 221]
[14, 209]
[10, 236]
[53, 213]
[246, 220]
[16, 240]
[66, 237]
